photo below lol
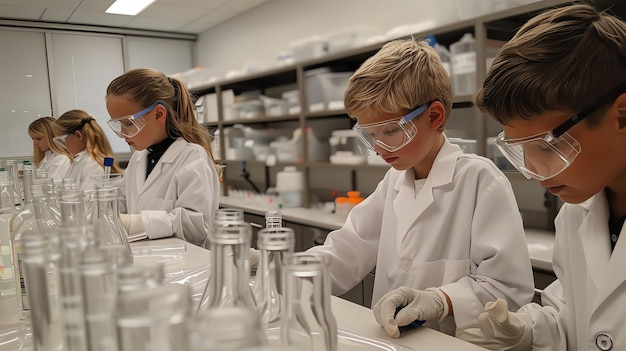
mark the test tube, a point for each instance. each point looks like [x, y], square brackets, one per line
[108, 163]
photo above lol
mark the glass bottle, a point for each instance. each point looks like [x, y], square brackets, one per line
[154, 318]
[110, 233]
[273, 219]
[308, 322]
[228, 286]
[275, 244]
[99, 289]
[11, 167]
[225, 329]
[44, 321]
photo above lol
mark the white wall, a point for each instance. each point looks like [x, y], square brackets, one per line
[263, 32]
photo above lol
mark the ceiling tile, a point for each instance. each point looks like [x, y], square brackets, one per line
[205, 4]
[21, 12]
[184, 13]
[100, 19]
[57, 4]
[56, 15]
[168, 25]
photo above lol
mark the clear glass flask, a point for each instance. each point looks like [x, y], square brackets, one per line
[273, 219]
[44, 316]
[275, 244]
[308, 322]
[225, 329]
[228, 285]
[110, 233]
[154, 319]
[99, 289]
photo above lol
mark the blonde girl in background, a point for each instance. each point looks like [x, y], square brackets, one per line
[48, 155]
[84, 138]
[171, 183]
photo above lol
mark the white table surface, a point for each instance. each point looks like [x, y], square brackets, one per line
[349, 316]
[540, 242]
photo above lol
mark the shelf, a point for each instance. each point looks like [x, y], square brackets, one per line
[273, 82]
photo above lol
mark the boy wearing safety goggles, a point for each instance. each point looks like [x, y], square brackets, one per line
[442, 228]
[559, 90]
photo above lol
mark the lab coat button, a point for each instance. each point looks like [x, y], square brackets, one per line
[604, 342]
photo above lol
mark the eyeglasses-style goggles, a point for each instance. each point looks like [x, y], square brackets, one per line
[390, 135]
[545, 155]
[131, 125]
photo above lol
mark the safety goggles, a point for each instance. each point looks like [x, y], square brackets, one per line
[61, 140]
[390, 135]
[545, 155]
[131, 125]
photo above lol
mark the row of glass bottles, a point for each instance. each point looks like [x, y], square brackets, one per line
[83, 295]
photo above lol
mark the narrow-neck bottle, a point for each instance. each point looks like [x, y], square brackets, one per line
[275, 245]
[110, 232]
[230, 268]
[308, 322]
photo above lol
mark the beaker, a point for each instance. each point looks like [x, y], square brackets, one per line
[225, 329]
[308, 322]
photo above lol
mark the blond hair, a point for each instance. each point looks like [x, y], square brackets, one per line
[145, 86]
[401, 76]
[46, 128]
[564, 59]
[97, 144]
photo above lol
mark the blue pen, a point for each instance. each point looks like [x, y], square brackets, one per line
[416, 323]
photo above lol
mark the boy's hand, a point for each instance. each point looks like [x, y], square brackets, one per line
[501, 329]
[416, 305]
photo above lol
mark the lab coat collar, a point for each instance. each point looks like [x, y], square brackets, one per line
[441, 173]
[605, 268]
[168, 157]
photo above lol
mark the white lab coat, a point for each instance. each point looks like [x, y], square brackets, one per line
[462, 233]
[179, 197]
[82, 170]
[586, 302]
[56, 165]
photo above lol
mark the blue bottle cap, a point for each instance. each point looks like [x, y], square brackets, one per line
[108, 162]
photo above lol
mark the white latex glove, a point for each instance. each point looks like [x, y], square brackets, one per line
[253, 258]
[133, 223]
[423, 305]
[501, 329]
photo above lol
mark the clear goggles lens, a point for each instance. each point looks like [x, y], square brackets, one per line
[129, 126]
[389, 135]
[540, 156]
[60, 140]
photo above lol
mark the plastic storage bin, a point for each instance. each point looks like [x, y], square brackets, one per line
[463, 65]
[309, 47]
[346, 148]
[290, 186]
[325, 89]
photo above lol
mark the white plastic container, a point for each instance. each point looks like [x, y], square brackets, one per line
[346, 148]
[290, 186]
[463, 65]
[325, 89]
[309, 47]
[445, 56]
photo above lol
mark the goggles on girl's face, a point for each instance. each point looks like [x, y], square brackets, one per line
[131, 125]
[60, 140]
[390, 135]
[545, 155]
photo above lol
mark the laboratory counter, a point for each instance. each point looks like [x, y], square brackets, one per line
[540, 242]
[350, 317]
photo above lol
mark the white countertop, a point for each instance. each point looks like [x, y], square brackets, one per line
[540, 242]
[349, 316]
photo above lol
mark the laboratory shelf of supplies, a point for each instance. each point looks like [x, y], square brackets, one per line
[488, 30]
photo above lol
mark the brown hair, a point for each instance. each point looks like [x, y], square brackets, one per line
[145, 86]
[401, 76]
[97, 144]
[564, 59]
[47, 129]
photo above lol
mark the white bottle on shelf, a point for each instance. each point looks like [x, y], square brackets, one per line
[464, 65]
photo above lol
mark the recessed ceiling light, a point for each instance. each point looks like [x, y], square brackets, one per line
[128, 7]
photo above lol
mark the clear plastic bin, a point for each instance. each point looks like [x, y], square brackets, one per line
[325, 89]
